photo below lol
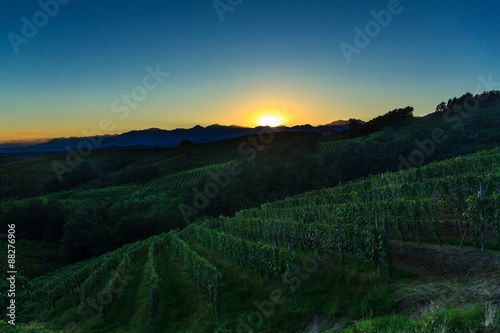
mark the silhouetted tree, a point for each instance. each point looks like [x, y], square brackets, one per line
[441, 107]
[186, 143]
[394, 117]
[354, 123]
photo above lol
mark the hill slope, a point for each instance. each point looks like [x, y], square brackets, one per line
[316, 259]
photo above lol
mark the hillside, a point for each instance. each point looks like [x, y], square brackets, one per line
[341, 258]
[106, 189]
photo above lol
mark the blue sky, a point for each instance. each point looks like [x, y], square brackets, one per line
[264, 57]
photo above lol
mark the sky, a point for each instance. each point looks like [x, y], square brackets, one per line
[70, 67]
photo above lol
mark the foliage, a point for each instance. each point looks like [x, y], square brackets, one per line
[204, 273]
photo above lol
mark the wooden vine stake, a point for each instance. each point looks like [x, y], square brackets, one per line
[296, 281]
[462, 237]
[288, 285]
[152, 305]
[48, 297]
[398, 222]
[436, 226]
[388, 250]
[104, 308]
[218, 292]
[76, 299]
[376, 238]
[481, 217]
[340, 250]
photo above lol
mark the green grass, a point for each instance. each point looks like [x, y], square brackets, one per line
[183, 307]
[473, 318]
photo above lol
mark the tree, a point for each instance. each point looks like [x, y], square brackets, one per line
[441, 107]
[354, 123]
[186, 143]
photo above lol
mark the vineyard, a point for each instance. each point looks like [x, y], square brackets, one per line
[181, 180]
[97, 278]
[328, 145]
[353, 222]
[109, 193]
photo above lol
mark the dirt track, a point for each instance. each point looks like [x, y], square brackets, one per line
[445, 261]
[449, 276]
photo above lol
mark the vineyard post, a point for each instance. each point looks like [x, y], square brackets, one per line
[462, 244]
[289, 290]
[338, 240]
[218, 291]
[376, 238]
[462, 236]
[296, 281]
[462, 205]
[388, 250]
[152, 305]
[398, 222]
[104, 307]
[436, 226]
[76, 294]
[417, 227]
[481, 217]
[418, 232]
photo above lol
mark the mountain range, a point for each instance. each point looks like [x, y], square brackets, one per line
[155, 137]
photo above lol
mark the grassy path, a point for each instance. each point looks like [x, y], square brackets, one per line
[182, 307]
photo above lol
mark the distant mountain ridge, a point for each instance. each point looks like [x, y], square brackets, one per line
[155, 137]
[337, 123]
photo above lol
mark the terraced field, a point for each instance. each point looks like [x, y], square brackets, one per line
[180, 180]
[339, 143]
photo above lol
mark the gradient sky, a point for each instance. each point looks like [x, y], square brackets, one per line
[265, 56]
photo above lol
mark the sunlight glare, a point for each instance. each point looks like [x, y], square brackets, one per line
[270, 120]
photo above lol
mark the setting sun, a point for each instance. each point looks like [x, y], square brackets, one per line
[270, 120]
